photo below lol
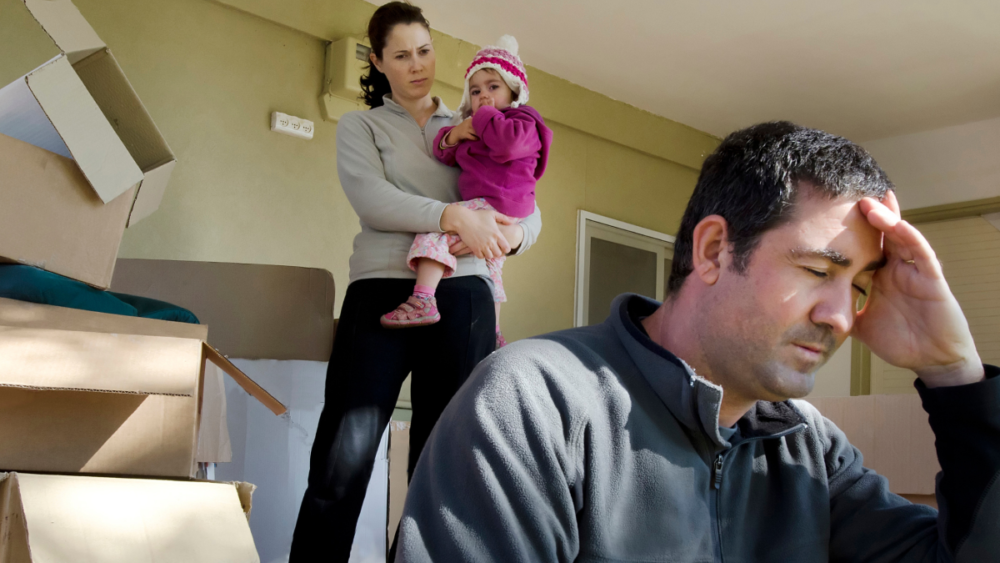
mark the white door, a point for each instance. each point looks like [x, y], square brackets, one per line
[614, 257]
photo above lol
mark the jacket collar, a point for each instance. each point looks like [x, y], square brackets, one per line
[441, 111]
[692, 399]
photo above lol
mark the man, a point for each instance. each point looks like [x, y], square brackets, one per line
[666, 433]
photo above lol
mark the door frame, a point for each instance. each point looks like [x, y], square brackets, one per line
[581, 252]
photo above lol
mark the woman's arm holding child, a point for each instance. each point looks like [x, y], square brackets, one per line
[519, 235]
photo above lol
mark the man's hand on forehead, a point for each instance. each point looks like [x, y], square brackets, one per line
[911, 319]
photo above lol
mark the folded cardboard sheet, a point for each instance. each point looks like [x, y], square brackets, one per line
[256, 311]
[105, 394]
[56, 518]
[893, 435]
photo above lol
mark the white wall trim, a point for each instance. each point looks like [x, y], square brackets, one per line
[993, 219]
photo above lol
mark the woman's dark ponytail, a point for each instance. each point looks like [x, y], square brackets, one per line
[374, 85]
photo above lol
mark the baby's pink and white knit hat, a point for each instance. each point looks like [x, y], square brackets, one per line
[502, 58]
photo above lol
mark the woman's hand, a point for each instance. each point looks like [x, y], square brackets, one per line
[479, 231]
[461, 132]
[509, 228]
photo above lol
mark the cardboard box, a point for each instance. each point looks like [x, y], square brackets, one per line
[48, 518]
[80, 157]
[70, 96]
[104, 394]
[893, 434]
[50, 217]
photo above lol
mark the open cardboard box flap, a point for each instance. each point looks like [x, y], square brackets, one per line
[45, 347]
[63, 22]
[112, 520]
[244, 381]
[73, 99]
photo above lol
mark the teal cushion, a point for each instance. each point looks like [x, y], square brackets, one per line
[26, 283]
[161, 310]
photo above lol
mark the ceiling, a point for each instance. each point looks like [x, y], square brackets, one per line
[862, 69]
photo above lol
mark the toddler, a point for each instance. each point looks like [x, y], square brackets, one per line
[502, 147]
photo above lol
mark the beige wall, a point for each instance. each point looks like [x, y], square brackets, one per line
[211, 75]
[834, 378]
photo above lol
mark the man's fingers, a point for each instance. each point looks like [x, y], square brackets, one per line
[902, 240]
[891, 202]
[917, 249]
[883, 219]
[880, 216]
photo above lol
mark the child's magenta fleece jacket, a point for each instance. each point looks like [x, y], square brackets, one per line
[506, 161]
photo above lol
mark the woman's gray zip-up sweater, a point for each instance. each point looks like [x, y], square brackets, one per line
[597, 445]
[387, 168]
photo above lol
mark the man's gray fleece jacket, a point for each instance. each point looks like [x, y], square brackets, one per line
[595, 444]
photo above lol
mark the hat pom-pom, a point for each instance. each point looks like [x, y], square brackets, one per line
[509, 44]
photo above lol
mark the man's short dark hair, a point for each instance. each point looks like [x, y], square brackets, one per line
[752, 181]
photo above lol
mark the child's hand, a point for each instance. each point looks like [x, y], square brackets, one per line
[461, 132]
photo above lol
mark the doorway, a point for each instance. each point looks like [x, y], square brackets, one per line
[614, 257]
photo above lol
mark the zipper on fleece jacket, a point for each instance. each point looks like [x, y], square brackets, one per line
[718, 464]
[717, 472]
[716, 490]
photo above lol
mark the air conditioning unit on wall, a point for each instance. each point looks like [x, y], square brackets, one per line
[346, 60]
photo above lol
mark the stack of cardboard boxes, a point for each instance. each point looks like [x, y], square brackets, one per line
[99, 414]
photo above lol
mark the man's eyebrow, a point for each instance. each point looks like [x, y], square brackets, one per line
[835, 257]
[827, 254]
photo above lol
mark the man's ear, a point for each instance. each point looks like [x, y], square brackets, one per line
[374, 60]
[710, 252]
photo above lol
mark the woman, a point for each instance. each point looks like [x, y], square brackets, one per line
[387, 169]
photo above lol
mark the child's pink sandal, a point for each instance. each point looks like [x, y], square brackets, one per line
[501, 341]
[416, 311]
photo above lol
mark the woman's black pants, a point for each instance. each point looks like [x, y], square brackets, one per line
[366, 372]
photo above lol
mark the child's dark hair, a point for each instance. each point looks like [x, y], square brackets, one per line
[374, 85]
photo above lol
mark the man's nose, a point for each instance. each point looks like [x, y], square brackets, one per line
[837, 309]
